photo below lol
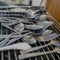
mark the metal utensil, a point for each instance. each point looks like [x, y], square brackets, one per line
[19, 37]
[11, 29]
[47, 32]
[2, 43]
[6, 19]
[19, 27]
[23, 56]
[14, 36]
[12, 41]
[29, 39]
[17, 46]
[46, 24]
[33, 27]
[57, 43]
[43, 25]
[53, 42]
[18, 9]
[43, 17]
[47, 37]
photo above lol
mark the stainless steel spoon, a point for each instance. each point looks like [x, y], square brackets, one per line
[29, 39]
[14, 38]
[11, 29]
[47, 32]
[43, 25]
[47, 37]
[43, 17]
[19, 27]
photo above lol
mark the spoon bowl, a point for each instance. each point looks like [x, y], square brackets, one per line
[43, 17]
[19, 27]
[57, 48]
[42, 25]
[47, 32]
[55, 43]
[47, 37]
[29, 39]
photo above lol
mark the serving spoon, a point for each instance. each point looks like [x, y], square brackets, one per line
[23, 56]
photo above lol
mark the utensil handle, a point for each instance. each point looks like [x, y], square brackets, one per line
[23, 56]
[35, 48]
[2, 43]
[11, 29]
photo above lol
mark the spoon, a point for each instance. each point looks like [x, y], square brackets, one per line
[19, 27]
[4, 36]
[5, 19]
[17, 46]
[53, 42]
[29, 39]
[57, 43]
[12, 41]
[47, 32]
[17, 38]
[43, 17]
[14, 38]
[47, 37]
[9, 23]
[33, 27]
[11, 29]
[43, 25]
[23, 56]
[46, 24]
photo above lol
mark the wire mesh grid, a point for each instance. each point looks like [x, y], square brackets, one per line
[13, 54]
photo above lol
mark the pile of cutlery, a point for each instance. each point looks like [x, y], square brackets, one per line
[28, 29]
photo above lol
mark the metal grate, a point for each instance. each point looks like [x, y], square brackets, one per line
[13, 54]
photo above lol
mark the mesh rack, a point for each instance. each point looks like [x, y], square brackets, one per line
[13, 54]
